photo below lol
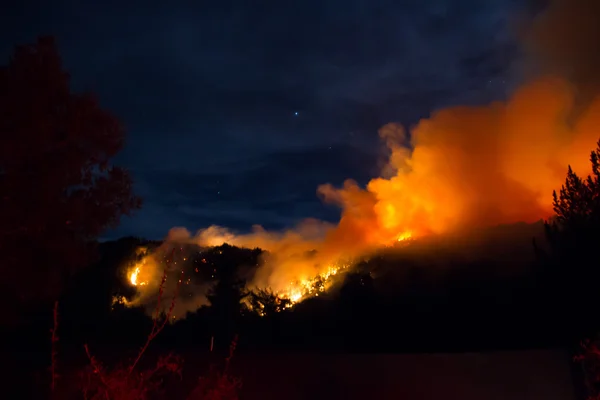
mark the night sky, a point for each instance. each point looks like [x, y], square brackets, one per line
[237, 110]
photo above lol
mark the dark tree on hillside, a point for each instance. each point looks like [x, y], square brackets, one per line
[577, 205]
[226, 295]
[574, 235]
[575, 229]
[58, 190]
[265, 302]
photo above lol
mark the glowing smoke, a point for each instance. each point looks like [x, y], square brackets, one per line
[146, 273]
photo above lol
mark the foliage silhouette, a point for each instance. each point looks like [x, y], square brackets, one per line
[59, 190]
[226, 295]
[577, 208]
[573, 235]
[589, 358]
[265, 302]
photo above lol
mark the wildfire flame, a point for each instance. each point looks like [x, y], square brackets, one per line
[139, 268]
[134, 275]
[304, 288]
[294, 292]
[405, 236]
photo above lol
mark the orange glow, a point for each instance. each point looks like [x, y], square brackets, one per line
[145, 275]
[304, 288]
[404, 236]
[133, 276]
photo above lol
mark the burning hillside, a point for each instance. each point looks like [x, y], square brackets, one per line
[463, 168]
[202, 268]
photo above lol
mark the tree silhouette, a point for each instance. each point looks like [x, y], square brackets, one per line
[573, 234]
[577, 206]
[575, 227]
[58, 190]
[227, 293]
[266, 302]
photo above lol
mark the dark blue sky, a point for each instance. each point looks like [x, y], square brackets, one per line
[209, 91]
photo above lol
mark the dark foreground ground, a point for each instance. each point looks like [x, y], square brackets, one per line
[519, 375]
[544, 374]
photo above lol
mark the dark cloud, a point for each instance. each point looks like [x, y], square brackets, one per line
[275, 190]
[209, 91]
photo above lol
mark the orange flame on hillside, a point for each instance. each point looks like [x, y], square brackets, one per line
[140, 267]
[135, 273]
[133, 276]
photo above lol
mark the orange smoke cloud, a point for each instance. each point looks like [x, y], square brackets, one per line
[469, 167]
[294, 255]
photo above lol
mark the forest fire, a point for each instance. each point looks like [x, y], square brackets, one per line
[263, 302]
[134, 275]
[461, 169]
[293, 293]
[306, 288]
[405, 236]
